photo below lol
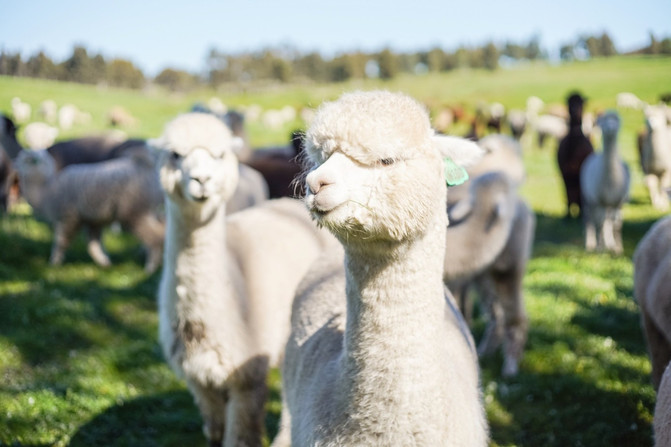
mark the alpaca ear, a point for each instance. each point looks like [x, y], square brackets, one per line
[460, 210]
[237, 144]
[462, 152]
[154, 144]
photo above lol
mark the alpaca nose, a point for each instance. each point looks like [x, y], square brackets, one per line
[201, 178]
[317, 181]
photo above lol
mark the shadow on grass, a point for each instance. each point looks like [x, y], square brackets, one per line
[165, 419]
[542, 405]
[74, 314]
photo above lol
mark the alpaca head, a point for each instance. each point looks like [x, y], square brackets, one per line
[34, 166]
[609, 123]
[197, 162]
[377, 166]
[656, 118]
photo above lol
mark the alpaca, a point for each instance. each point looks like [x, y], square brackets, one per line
[517, 121]
[572, 152]
[9, 149]
[39, 135]
[652, 276]
[500, 289]
[480, 224]
[250, 191]
[378, 354]
[21, 110]
[495, 240]
[93, 196]
[91, 149]
[227, 283]
[662, 419]
[655, 152]
[281, 167]
[604, 183]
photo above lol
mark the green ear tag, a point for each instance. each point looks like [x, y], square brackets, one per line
[454, 174]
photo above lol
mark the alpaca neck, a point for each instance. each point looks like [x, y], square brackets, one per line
[394, 348]
[34, 191]
[613, 168]
[196, 271]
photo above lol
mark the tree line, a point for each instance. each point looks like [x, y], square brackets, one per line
[287, 64]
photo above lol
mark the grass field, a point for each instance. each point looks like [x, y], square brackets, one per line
[79, 358]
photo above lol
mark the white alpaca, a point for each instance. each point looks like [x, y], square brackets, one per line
[227, 285]
[652, 289]
[604, 182]
[377, 355]
[21, 110]
[93, 196]
[39, 135]
[656, 155]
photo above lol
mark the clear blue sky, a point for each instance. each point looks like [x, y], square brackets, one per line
[179, 33]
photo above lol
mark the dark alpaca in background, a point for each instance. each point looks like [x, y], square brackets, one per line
[573, 150]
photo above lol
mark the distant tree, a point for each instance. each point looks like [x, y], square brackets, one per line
[461, 58]
[606, 46]
[387, 63]
[176, 80]
[490, 56]
[281, 70]
[98, 68]
[533, 49]
[665, 46]
[407, 62]
[348, 66]
[567, 52]
[654, 47]
[79, 67]
[311, 66]
[514, 51]
[436, 59]
[122, 73]
[216, 67]
[41, 66]
[591, 45]
[11, 64]
[476, 57]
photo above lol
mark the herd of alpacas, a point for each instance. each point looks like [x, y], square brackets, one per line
[349, 257]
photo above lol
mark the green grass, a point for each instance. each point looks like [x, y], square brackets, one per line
[79, 359]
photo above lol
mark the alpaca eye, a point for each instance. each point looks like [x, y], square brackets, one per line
[174, 156]
[387, 161]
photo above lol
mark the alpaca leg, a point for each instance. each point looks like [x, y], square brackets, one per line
[515, 321]
[246, 412]
[151, 233]
[664, 185]
[651, 183]
[63, 234]
[212, 405]
[658, 347]
[617, 232]
[95, 247]
[590, 232]
[283, 438]
[608, 234]
[493, 335]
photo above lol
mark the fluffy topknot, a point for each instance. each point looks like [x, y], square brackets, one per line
[369, 127]
[191, 130]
